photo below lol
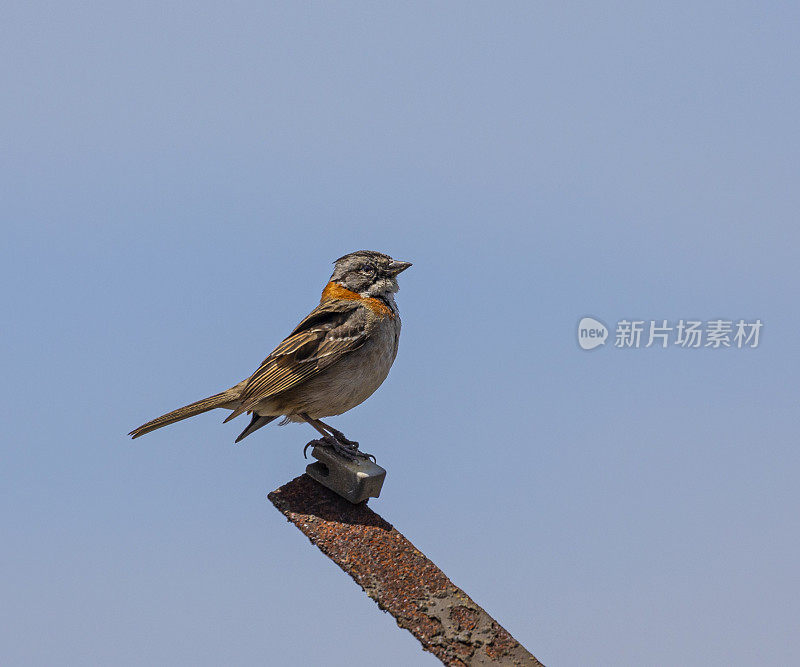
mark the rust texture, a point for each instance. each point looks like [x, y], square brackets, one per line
[400, 578]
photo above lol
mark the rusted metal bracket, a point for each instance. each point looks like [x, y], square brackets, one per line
[400, 578]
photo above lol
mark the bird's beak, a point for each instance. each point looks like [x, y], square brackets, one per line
[396, 267]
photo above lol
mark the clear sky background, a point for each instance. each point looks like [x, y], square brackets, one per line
[176, 179]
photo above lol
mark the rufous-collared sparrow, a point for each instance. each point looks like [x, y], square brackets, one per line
[333, 360]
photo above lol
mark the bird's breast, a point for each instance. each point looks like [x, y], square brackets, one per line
[355, 377]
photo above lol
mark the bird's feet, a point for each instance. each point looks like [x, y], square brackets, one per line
[338, 435]
[342, 446]
[350, 445]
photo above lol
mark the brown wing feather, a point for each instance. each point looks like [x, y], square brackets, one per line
[330, 331]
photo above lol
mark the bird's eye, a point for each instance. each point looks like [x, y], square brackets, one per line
[367, 269]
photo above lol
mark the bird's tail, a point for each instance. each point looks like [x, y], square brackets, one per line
[227, 398]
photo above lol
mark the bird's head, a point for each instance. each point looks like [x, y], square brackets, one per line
[368, 273]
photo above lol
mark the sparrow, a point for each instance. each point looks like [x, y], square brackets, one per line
[331, 362]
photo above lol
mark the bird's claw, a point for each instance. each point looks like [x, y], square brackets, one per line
[313, 443]
[342, 446]
[353, 446]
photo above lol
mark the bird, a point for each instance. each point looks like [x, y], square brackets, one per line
[332, 361]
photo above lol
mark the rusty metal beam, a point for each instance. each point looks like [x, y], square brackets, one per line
[400, 578]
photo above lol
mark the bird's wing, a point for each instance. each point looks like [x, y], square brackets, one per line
[330, 331]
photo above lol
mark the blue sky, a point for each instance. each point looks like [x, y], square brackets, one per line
[175, 183]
